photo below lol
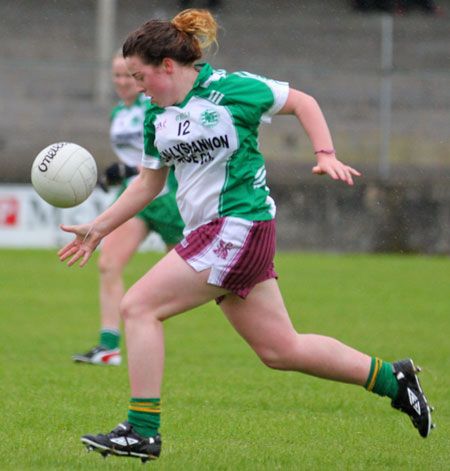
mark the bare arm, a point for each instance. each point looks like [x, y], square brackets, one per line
[142, 190]
[310, 116]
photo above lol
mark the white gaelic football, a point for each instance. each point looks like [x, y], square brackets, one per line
[64, 174]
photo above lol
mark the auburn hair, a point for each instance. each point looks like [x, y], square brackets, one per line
[181, 39]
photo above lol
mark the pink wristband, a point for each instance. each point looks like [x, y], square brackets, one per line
[325, 151]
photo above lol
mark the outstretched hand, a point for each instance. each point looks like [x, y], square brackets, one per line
[335, 168]
[82, 246]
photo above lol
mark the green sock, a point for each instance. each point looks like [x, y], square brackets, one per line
[110, 338]
[381, 379]
[145, 415]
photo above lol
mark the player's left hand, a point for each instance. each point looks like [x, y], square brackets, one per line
[337, 170]
[86, 241]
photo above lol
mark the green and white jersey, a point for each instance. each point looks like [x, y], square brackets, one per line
[212, 140]
[126, 132]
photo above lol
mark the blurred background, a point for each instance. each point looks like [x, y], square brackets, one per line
[379, 69]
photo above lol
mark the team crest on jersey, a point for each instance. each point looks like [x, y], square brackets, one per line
[209, 118]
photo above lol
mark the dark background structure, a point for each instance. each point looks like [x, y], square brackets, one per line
[49, 73]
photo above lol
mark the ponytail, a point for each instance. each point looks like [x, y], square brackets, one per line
[198, 23]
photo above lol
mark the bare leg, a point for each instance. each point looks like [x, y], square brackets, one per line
[169, 288]
[262, 320]
[117, 249]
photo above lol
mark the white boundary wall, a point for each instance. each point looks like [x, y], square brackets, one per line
[27, 221]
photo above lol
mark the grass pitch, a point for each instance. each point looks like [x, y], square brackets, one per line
[222, 409]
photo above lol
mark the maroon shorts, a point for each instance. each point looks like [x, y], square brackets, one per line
[239, 252]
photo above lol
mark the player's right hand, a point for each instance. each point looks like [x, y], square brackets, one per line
[84, 244]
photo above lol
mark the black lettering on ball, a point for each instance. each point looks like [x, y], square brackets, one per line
[43, 167]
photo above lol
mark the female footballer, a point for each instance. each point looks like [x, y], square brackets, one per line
[204, 122]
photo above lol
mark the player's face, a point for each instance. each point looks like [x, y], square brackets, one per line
[125, 84]
[152, 80]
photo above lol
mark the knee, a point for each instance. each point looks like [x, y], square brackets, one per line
[130, 308]
[133, 308]
[280, 352]
[108, 264]
[276, 359]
